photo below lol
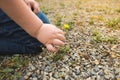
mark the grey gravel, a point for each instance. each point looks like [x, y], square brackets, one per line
[80, 64]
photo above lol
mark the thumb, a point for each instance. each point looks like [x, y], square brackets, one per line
[51, 48]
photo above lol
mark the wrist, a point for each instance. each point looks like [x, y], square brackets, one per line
[38, 30]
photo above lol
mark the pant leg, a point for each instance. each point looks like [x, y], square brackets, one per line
[13, 39]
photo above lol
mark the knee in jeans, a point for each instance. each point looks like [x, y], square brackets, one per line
[43, 17]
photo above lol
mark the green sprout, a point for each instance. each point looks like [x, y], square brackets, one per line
[97, 37]
[9, 67]
[114, 23]
[118, 10]
[44, 9]
[111, 39]
[91, 21]
[61, 53]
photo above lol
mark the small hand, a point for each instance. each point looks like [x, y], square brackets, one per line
[51, 36]
[33, 5]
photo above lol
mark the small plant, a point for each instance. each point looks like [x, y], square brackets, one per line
[78, 4]
[62, 5]
[58, 20]
[76, 13]
[95, 33]
[89, 10]
[8, 69]
[118, 10]
[44, 9]
[74, 62]
[95, 18]
[67, 27]
[61, 75]
[64, 50]
[57, 57]
[111, 39]
[97, 37]
[114, 23]
[60, 54]
[98, 17]
[91, 21]
[71, 23]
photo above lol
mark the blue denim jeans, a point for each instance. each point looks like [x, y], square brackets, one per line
[13, 39]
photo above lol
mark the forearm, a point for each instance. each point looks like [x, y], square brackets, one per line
[22, 15]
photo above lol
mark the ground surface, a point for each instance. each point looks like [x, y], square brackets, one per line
[92, 50]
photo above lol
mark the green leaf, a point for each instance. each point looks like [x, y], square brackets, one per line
[7, 70]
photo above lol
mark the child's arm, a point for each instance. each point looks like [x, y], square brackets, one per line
[22, 15]
[46, 33]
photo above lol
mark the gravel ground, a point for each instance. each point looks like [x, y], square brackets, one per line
[92, 50]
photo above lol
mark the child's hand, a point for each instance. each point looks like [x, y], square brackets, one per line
[51, 36]
[33, 5]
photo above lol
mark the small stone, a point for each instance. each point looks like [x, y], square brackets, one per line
[96, 69]
[92, 73]
[107, 76]
[67, 77]
[106, 71]
[30, 78]
[113, 55]
[96, 62]
[85, 74]
[55, 75]
[38, 71]
[93, 78]
[117, 70]
[35, 78]
[88, 78]
[77, 72]
[118, 78]
[34, 75]
[21, 78]
[40, 57]
[26, 77]
[29, 73]
[101, 73]
[32, 67]
[73, 75]
[113, 47]
[99, 77]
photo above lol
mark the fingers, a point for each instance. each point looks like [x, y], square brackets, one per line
[51, 48]
[57, 42]
[35, 8]
[60, 37]
[59, 31]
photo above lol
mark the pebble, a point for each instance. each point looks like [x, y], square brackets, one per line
[29, 73]
[26, 77]
[21, 78]
[35, 79]
[32, 67]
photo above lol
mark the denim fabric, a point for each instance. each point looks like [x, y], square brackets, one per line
[13, 39]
